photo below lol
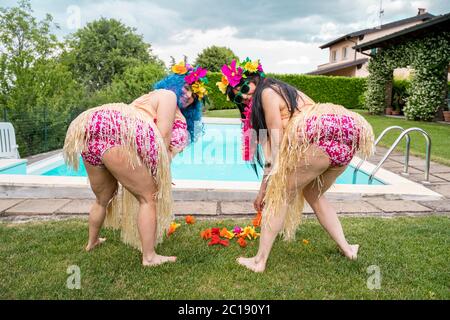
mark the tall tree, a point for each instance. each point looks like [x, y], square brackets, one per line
[24, 41]
[214, 57]
[38, 94]
[104, 49]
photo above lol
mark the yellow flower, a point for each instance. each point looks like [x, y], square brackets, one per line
[199, 89]
[249, 232]
[305, 242]
[173, 227]
[179, 68]
[223, 85]
[252, 66]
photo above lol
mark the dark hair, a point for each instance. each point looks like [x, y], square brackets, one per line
[258, 120]
[254, 79]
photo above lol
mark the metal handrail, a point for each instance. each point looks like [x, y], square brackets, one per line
[394, 145]
[408, 145]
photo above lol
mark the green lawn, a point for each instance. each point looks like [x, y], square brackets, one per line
[440, 133]
[228, 113]
[412, 254]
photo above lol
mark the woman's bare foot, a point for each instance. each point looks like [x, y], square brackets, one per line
[157, 260]
[352, 254]
[92, 246]
[250, 263]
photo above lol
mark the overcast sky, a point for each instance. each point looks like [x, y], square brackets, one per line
[284, 34]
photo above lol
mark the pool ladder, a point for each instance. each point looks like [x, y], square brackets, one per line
[404, 133]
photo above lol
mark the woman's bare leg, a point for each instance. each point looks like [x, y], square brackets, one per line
[317, 163]
[142, 185]
[327, 214]
[104, 186]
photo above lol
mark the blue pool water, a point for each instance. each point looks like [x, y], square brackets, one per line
[216, 156]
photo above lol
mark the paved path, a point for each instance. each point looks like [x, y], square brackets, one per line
[20, 210]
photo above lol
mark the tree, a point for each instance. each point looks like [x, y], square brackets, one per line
[213, 58]
[24, 42]
[135, 81]
[103, 50]
[37, 93]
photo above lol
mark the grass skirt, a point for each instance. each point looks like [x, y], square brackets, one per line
[293, 148]
[122, 211]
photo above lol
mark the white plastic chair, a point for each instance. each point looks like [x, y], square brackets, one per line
[8, 146]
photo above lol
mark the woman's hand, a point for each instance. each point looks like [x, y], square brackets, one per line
[258, 204]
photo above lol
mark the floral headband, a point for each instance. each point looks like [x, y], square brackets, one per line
[236, 71]
[194, 77]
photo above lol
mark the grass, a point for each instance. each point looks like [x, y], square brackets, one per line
[412, 254]
[439, 133]
[227, 113]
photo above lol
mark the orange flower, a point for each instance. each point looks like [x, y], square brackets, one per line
[190, 220]
[173, 227]
[226, 234]
[206, 235]
[179, 68]
[257, 220]
[305, 242]
[242, 242]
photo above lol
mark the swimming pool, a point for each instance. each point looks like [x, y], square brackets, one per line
[216, 156]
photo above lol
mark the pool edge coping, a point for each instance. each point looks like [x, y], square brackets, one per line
[398, 185]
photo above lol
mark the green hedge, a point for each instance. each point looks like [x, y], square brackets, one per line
[218, 101]
[339, 90]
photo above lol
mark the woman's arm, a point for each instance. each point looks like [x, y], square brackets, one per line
[167, 107]
[271, 107]
[271, 103]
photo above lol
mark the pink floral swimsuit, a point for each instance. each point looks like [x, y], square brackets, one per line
[336, 137]
[103, 128]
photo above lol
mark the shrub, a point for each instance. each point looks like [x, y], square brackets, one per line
[339, 90]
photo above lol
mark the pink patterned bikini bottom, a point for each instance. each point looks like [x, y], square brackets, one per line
[104, 130]
[337, 137]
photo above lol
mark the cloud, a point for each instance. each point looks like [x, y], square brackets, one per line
[282, 33]
[281, 56]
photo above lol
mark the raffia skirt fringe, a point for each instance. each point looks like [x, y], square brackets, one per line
[293, 148]
[123, 209]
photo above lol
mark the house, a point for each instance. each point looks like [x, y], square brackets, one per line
[345, 61]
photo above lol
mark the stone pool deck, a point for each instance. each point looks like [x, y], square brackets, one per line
[23, 210]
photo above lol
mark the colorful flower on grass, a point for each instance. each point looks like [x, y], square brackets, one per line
[225, 233]
[242, 242]
[215, 240]
[249, 232]
[237, 231]
[206, 234]
[190, 220]
[257, 220]
[173, 227]
[305, 242]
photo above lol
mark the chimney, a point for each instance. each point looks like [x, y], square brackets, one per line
[421, 11]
